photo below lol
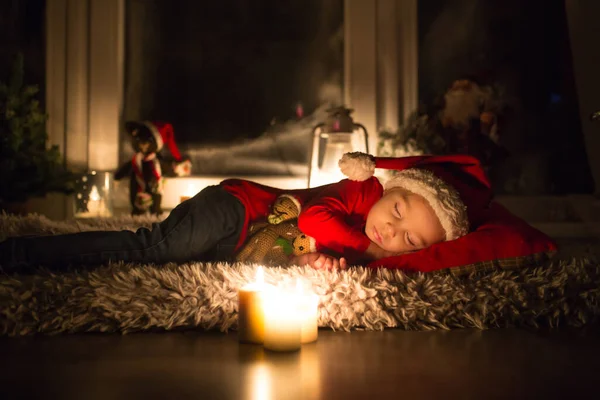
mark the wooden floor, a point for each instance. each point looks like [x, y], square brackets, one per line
[458, 364]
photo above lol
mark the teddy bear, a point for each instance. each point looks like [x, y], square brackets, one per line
[274, 241]
[147, 168]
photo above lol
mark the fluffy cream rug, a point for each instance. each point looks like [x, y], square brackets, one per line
[131, 297]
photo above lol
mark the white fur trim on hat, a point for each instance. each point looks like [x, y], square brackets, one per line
[357, 166]
[157, 136]
[442, 197]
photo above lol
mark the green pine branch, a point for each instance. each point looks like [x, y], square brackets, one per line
[28, 166]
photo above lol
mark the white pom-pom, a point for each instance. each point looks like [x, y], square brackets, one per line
[357, 166]
[312, 243]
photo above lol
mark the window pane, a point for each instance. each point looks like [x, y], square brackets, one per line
[225, 71]
[523, 47]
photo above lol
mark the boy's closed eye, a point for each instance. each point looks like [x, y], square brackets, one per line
[407, 236]
[397, 210]
[412, 240]
[409, 240]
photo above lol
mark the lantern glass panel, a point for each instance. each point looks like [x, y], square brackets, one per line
[93, 195]
[335, 146]
[328, 149]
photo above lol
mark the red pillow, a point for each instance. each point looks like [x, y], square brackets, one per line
[502, 240]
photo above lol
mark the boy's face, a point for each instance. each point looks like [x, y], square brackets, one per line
[402, 222]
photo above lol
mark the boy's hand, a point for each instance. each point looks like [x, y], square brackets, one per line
[320, 261]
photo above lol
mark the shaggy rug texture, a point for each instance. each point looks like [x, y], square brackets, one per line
[131, 297]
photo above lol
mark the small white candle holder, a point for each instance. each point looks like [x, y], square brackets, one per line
[283, 325]
[251, 320]
[308, 311]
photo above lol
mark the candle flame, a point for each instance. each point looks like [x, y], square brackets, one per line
[94, 194]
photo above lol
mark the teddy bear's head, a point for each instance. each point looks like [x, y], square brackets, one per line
[285, 208]
[303, 244]
[142, 139]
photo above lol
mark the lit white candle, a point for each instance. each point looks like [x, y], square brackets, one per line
[282, 323]
[94, 202]
[308, 309]
[251, 320]
[96, 206]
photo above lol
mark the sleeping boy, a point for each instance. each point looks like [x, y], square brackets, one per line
[430, 199]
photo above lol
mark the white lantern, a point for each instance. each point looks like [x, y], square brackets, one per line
[339, 134]
[93, 195]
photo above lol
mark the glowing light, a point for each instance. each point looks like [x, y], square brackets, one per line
[327, 171]
[251, 319]
[326, 177]
[94, 202]
[94, 195]
[282, 322]
[308, 307]
[338, 135]
[189, 193]
[191, 190]
[260, 276]
[260, 380]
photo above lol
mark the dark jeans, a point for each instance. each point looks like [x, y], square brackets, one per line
[205, 227]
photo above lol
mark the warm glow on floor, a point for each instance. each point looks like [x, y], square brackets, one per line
[261, 382]
[271, 376]
[176, 188]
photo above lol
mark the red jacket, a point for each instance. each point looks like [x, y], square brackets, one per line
[334, 215]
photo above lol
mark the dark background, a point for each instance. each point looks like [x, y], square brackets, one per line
[22, 30]
[223, 71]
[524, 47]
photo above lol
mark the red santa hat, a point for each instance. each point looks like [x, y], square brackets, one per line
[162, 132]
[455, 186]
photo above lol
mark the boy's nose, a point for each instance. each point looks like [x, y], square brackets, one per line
[390, 230]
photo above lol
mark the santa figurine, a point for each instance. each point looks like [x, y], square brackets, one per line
[470, 122]
[147, 167]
